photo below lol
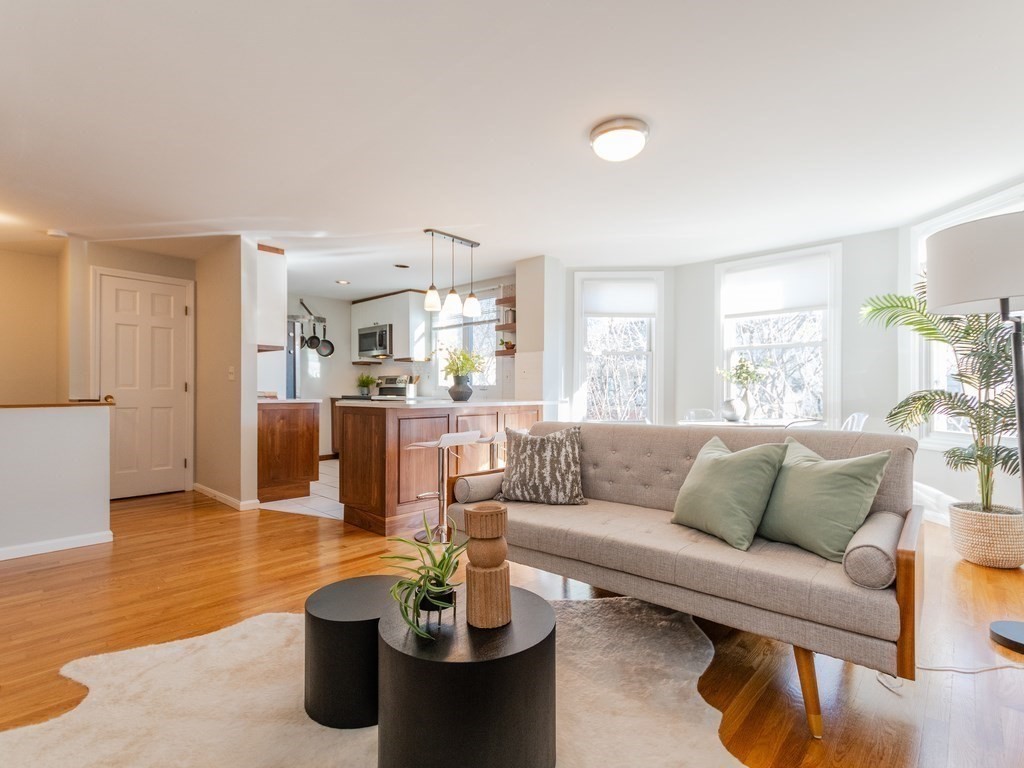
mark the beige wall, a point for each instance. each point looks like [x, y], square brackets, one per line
[28, 328]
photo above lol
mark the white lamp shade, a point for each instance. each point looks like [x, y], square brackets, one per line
[432, 301]
[974, 265]
[471, 307]
[452, 303]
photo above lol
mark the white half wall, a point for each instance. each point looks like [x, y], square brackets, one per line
[56, 492]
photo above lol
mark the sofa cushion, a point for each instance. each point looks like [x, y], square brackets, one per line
[478, 487]
[817, 504]
[544, 469]
[644, 542]
[725, 493]
[870, 558]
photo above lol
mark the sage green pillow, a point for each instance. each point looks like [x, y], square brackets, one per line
[725, 493]
[818, 504]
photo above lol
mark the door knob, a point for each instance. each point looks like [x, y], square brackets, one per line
[108, 399]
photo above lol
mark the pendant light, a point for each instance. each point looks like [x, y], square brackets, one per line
[472, 306]
[432, 301]
[453, 302]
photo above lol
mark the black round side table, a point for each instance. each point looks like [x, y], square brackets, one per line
[341, 650]
[472, 697]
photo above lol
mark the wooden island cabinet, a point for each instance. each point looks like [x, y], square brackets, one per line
[288, 448]
[380, 480]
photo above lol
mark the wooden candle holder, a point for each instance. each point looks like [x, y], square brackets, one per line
[488, 591]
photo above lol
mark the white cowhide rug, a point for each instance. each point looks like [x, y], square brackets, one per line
[627, 696]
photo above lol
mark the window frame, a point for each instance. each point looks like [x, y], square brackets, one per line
[832, 325]
[915, 354]
[656, 396]
[467, 325]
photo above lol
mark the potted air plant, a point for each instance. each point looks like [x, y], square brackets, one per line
[743, 375]
[459, 365]
[428, 585]
[983, 532]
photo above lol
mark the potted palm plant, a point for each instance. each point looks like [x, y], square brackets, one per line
[364, 382]
[428, 585]
[461, 363]
[983, 401]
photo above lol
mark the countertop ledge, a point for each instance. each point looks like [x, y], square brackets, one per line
[439, 403]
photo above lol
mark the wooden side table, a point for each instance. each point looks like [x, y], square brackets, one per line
[341, 650]
[470, 697]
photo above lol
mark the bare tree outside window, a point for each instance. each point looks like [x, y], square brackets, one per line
[789, 348]
[619, 368]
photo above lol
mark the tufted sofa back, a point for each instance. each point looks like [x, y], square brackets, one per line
[645, 465]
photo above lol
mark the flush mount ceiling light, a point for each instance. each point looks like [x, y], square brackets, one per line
[343, 282]
[619, 139]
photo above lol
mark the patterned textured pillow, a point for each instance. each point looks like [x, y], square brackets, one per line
[544, 470]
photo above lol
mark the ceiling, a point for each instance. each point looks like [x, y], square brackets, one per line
[339, 130]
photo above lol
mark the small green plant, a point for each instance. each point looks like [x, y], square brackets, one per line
[429, 581]
[743, 374]
[462, 362]
[366, 380]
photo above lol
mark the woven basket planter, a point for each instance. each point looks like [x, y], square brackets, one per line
[995, 539]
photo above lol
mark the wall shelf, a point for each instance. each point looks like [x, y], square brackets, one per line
[506, 301]
[504, 353]
[507, 327]
[367, 362]
[269, 348]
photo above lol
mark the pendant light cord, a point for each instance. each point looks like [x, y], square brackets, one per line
[453, 265]
[431, 259]
[471, 270]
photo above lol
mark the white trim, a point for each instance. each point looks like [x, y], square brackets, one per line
[55, 545]
[833, 319]
[98, 272]
[223, 498]
[660, 379]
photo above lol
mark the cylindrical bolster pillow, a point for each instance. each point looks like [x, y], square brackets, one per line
[478, 487]
[870, 558]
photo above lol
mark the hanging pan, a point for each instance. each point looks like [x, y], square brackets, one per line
[313, 341]
[326, 346]
[302, 336]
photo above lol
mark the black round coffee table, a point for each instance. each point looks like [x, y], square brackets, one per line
[341, 650]
[471, 697]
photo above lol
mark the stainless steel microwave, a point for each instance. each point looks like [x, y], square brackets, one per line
[376, 341]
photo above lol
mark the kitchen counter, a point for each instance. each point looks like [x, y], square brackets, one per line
[288, 447]
[440, 402]
[381, 481]
[286, 400]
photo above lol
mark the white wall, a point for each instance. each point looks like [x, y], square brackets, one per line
[64, 500]
[327, 377]
[28, 328]
[271, 320]
[541, 331]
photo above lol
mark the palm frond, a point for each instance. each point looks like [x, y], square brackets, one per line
[918, 407]
[911, 312]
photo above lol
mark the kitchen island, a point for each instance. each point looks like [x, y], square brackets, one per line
[379, 479]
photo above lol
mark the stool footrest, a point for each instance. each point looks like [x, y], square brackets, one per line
[428, 495]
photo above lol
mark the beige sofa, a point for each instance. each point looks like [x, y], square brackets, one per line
[622, 540]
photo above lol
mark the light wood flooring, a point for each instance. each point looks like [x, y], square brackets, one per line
[183, 564]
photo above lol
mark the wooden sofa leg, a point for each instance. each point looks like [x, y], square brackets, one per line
[809, 688]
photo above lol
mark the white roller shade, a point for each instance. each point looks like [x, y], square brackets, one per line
[773, 287]
[620, 297]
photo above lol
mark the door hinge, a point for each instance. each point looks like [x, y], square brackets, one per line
[186, 310]
[186, 463]
[186, 386]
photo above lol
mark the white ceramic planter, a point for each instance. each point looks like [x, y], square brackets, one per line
[995, 539]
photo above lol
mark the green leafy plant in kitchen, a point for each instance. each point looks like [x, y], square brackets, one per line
[429, 585]
[366, 380]
[462, 362]
[984, 402]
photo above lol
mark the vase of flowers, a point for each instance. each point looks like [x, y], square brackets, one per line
[982, 401]
[460, 365]
[744, 375]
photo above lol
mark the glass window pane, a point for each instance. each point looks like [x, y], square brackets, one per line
[618, 368]
[793, 385]
[783, 328]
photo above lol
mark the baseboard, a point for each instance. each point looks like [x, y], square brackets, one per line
[328, 456]
[55, 545]
[223, 498]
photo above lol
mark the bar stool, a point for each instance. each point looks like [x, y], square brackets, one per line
[449, 441]
[498, 438]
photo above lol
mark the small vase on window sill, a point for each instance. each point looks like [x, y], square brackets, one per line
[746, 405]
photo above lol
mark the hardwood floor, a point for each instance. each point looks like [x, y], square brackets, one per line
[183, 564]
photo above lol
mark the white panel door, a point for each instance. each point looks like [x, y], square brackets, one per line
[142, 364]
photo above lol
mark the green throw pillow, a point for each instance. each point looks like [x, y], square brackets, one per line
[817, 504]
[725, 493]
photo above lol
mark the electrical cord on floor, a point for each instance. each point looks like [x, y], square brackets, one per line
[894, 684]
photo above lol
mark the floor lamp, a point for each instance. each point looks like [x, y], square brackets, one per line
[978, 268]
